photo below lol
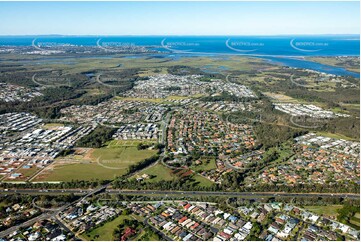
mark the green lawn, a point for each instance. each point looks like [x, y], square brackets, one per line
[120, 157]
[203, 182]
[26, 173]
[284, 151]
[329, 210]
[80, 171]
[207, 164]
[105, 232]
[160, 172]
[355, 220]
[335, 136]
[146, 236]
[106, 163]
[163, 173]
[127, 143]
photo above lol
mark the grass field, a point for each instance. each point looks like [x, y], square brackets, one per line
[202, 181]
[206, 165]
[280, 97]
[335, 136]
[329, 210]
[103, 163]
[163, 173]
[105, 232]
[27, 173]
[355, 220]
[160, 172]
[144, 236]
[52, 125]
[81, 171]
[153, 71]
[128, 143]
[120, 157]
[146, 64]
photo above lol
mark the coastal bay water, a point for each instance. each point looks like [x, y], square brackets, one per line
[305, 64]
[283, 50]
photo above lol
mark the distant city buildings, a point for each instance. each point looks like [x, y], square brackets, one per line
[310, 110]
[16, 93]
[26, 143]
[115, 112]
[166, 85]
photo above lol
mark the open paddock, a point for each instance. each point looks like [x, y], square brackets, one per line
[90, 164]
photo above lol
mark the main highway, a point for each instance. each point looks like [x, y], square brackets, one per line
[104, 189]
[175, 193]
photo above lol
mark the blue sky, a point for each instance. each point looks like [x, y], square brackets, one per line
[179, 18]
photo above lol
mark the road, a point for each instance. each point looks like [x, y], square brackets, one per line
[231, 194]
[47, 215]
[89, 192]
[157, 231]
[25, 224]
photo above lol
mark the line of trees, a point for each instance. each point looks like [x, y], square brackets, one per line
[142, 164]
[97, 137]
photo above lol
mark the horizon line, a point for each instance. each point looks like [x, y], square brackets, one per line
[162, 35]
